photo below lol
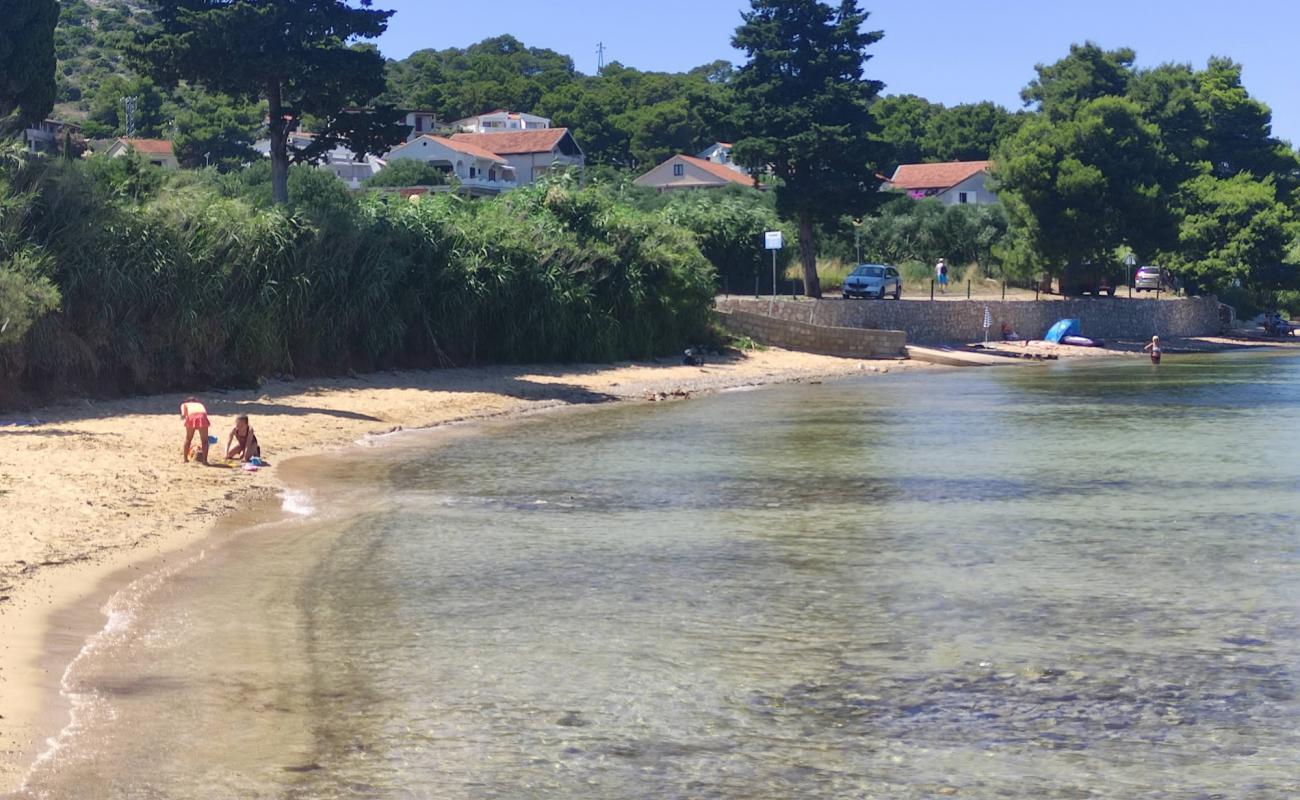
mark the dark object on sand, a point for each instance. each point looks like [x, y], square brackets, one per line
[1082, 341]
[693, 358]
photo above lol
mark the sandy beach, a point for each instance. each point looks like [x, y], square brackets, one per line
[89, 490]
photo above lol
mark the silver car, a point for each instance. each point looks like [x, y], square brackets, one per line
[873, 280]
[1150, 279]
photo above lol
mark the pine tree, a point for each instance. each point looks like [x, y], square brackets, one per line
[805, 110]
[300, 56]
[27, 87]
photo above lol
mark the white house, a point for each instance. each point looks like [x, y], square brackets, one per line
[720, 153]
[420, 123]
[158, 152]
[686, 172]
[532, 153]
[47, 136]
[479, 171]
[951, 182]
[500, 121]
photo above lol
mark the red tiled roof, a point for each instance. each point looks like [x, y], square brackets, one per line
[467, 148]
[542, 140]
[153, 147]
[718, 170]
[935, 176]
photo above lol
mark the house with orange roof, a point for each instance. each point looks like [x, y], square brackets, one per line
[478, 170]
[532, 153]
[158, 152]
[950, 182]
[688, 172]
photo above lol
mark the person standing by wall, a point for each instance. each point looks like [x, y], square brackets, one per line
[941, 274]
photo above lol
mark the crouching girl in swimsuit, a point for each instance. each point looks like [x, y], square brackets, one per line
[245, 441]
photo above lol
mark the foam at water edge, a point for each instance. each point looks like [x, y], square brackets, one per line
[297, 503]
[120, 616]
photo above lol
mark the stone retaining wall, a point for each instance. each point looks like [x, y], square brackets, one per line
[959, 321]
[822, 339]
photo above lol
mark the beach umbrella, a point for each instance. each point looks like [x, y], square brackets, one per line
[1063, 328]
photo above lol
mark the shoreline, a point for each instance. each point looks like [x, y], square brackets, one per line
[54, 590]
[70, 529]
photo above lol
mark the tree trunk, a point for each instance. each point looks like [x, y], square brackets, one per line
[812, 285]
[279, 130]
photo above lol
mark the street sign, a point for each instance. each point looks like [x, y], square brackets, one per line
[774, 240]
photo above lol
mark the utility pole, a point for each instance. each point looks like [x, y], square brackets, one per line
[130, 103]
[600, 57]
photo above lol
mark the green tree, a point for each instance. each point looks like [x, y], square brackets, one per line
[500, 72]
[107, 109]
[967, 132]
[1234, 230]
[1078, 189]
[1086, 74]
[27, 84]
[1238, 128]
[214, 130]
[294, 54]
[903, 120]
[806, 110]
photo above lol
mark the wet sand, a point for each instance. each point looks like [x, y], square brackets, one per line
[94, 492]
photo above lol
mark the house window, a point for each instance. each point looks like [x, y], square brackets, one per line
[965, 197]
[679, 170]
[492, 174]
[473, 171]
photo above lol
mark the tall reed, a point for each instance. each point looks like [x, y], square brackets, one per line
[175, 280]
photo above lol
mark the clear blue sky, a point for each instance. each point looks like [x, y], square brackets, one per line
[949, 51]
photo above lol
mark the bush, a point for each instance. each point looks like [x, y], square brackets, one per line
[408, 172]
[207, 282]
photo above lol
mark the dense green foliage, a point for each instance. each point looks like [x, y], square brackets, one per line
[729, 225]
[1175, 164]
[408, 172]
[90, 41]
[621, 116]
[295, 55]
[916, 131]
[926, 230]
[27, 85]
[805, 110]
[197, 279]
[1079, 189]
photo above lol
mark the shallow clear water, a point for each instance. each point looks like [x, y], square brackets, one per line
[1062, 582]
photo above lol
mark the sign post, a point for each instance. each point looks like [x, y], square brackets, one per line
[1131, 261]
[773, 240]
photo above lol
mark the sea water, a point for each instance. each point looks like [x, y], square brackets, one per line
[1069, 581]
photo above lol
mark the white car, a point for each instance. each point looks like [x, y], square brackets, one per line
[873, 280]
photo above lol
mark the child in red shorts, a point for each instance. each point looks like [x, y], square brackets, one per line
[196, 421]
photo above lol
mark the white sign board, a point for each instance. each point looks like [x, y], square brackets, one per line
[774, 240]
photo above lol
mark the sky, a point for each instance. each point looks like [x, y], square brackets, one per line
[948, 51]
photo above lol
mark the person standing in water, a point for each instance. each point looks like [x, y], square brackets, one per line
[1154, 349]
[195, 415]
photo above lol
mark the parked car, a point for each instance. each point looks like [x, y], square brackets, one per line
[873, 280]
[1150, 279]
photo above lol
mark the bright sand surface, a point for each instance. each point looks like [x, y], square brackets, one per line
[93, 494]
